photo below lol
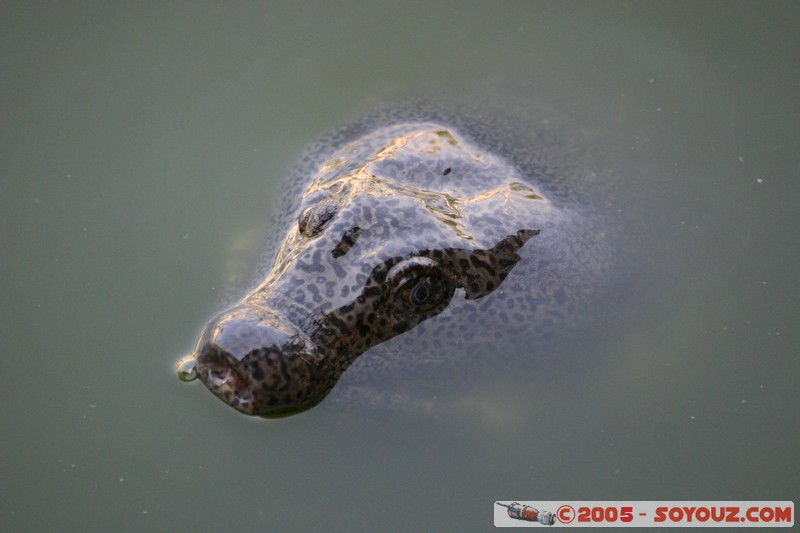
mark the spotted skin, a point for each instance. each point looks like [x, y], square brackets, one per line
[401, 219]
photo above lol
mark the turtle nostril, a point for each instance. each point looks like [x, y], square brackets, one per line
[245, 397]
[217, 374]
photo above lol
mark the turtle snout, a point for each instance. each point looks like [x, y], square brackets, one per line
[259, 363]
[242, 331]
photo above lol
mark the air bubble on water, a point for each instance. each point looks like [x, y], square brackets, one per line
[187, 368]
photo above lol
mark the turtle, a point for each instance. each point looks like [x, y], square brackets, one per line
[413, 237]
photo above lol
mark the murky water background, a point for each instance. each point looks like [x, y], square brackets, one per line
[141, 144]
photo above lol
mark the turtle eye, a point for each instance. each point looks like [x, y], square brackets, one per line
[421, 293]
[420, 286]
[313, 218]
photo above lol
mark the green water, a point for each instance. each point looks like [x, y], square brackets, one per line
[140, 143]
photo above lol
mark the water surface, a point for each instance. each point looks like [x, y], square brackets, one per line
[142, 143]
